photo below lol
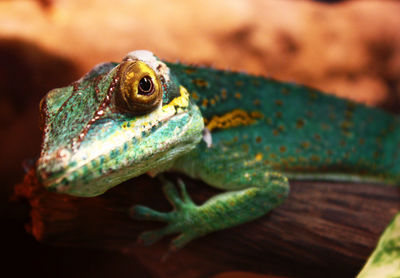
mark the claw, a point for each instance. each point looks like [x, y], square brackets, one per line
[180, 220]
[145, 213]
[148, 238]
[172, 195]
[185, 195]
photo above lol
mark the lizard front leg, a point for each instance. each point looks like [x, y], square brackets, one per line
[264, 192]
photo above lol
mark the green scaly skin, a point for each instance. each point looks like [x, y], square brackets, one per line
[240, 133]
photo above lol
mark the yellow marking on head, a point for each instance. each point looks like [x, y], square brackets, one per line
[237, 117]
[181, 101]
[259, 157]
[212, 101]
[238, 95]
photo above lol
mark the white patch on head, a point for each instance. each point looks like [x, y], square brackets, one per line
[151, 60]
[207, 137]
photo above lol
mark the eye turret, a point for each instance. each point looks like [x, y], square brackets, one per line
[140, 89]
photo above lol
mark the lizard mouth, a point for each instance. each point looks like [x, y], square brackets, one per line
[62, 168]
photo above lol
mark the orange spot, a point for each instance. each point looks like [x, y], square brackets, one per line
[282, 149]
[259, 157]
[190, 70]
[279, 102]
[315, 157]
[238, 95]
[223, 93]
[258, 139]
[257, 102]
[212, 102]
[195, 96]
[300, 123]
[285, 91]
[305, 144]
[205, 102]
[239, 83]
[200, 82]
[257, 114]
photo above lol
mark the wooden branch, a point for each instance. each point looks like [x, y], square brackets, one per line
[320, 225]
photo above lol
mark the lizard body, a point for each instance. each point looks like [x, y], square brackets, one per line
[240, 133]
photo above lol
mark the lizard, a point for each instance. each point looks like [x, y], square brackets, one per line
[244, 134]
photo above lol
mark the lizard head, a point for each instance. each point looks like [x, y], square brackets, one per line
[116, 122]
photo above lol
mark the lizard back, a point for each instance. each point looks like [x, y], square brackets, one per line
[291, 128]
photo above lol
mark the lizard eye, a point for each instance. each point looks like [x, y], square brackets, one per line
[146, 86]
[139, 89]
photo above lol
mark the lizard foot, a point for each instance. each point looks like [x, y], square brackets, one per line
[183, 219]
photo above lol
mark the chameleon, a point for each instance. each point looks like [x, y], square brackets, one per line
[244, 134]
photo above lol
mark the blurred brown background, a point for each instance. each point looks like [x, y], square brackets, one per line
[349, 48]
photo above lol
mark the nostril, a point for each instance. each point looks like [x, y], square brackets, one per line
[63, 154]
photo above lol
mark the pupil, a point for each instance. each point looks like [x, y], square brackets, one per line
[145, 85]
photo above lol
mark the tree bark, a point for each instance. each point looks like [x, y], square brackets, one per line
[323, 228]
